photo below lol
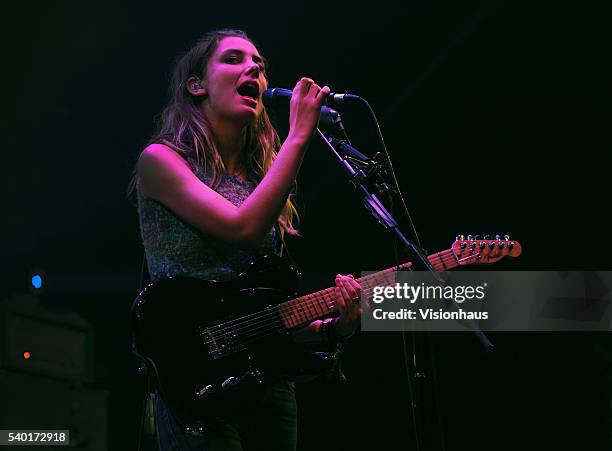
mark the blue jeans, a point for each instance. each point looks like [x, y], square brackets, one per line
[270, 424]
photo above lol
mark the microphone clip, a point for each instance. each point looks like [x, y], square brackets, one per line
[367, 171]
[331, 118]
[371, 172]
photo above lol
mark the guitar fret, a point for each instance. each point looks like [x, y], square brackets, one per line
[319, 304]
[287, 318]
[448, 260]
[281, 313]
[321, 311]
[320, 295]
[311, 308]
[298, 312]
[303, 309]
[291, 315]
[441, 261]
[329, 301]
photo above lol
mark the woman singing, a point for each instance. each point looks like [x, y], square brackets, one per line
[213, 191]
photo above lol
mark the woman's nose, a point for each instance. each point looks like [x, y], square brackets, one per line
[254, 69]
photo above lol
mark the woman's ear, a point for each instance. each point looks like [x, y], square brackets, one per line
[194, 86]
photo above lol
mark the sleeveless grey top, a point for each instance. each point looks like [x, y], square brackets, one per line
[175, 248]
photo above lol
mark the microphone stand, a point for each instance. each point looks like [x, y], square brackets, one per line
[372, 203]
[358, 179]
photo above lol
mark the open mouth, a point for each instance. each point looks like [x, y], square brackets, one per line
[249, 89]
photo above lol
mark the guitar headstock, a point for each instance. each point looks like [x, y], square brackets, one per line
[477, 249]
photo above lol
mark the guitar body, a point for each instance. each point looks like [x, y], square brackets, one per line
[210, 342]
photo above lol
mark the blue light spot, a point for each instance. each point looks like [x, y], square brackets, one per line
[37, 281]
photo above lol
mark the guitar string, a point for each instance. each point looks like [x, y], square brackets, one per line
[300, 299]
[307, 308]
[275, 322]
[305, 298]
[262, 313]
[257, 334]
[249, 334]
[266, 328]
[448, 257]
[251, 331]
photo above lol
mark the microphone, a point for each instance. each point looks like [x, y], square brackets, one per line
[329, 116]
[272, 95]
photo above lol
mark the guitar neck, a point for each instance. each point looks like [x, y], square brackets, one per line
[444, 260]
[302, 310]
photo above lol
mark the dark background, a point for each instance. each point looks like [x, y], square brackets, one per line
[496, 115]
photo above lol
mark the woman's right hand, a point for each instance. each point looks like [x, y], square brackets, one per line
[305, 110]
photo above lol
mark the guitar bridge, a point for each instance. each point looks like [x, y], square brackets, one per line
[221, 340]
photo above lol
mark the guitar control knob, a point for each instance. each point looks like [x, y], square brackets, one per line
[205, 392]
[510, 244]
[198, 431]
[482, 245]
[230, 382]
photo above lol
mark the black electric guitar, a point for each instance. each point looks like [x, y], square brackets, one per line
[207, 341]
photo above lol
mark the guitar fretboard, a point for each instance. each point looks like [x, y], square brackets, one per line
[310, 307]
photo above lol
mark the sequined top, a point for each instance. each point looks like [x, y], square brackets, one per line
[175, 248]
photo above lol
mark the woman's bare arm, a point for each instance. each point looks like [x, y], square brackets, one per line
[167, 178]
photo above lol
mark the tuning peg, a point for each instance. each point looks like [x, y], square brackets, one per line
[478, 237]
[460, 238]
[487, 237]
[470, 237]
[497, 237]
[204, 392]
[506, 237]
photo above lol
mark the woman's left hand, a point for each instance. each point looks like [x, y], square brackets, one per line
[347, 292]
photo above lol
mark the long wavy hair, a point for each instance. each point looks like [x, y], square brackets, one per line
[184, 127]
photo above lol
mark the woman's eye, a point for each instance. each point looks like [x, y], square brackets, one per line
[232, 59]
